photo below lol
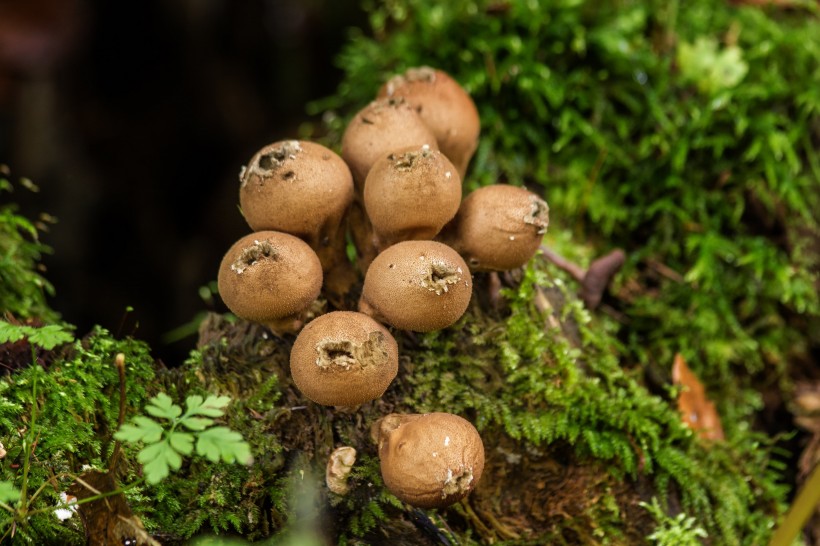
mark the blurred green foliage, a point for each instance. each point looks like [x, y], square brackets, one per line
[23, 289]
[687, 134]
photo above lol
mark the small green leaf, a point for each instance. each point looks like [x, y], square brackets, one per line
[9, 493]
[182, 442]
[152, 431]
[143, 430]
[196, 423]
[162, 406]
[9, 333]
[156, 470]
[224, 443]
[157, 460]
[50, 336]
[210, 407]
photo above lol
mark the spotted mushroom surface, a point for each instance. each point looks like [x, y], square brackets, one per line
[498, 227]
[268, 275]
[343, 358]
[382, 126]
[444, 106]
[297, 187]
[429, 460]
[411, 193]
[417, 285]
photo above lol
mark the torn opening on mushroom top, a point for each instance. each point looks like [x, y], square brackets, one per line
[439, 276]
[538, 215]
[258, 251]
[404, 162]
[271, 160]
[276, 157]
[457, 483]
[419, 74]
[334, 354]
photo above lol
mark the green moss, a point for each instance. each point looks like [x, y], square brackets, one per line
[715, 179]
[75, 397]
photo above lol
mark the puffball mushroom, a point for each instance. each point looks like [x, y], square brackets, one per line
[411, 194]
[498, 227]
[375, 131]
[417, 285]
[429, 460]
[304, 189]
[444, 106]
[343, 358]
[271, 278]
[379, 128]
[297, 187]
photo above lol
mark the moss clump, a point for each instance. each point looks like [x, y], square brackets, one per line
[68, 402]
[685, 134]
[574, 441]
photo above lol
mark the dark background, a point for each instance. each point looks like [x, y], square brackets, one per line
[134, 120]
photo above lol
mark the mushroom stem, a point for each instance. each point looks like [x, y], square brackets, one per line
[286, 325]
[494, 289]
[361, 230]
[339, 273]
[594, 281]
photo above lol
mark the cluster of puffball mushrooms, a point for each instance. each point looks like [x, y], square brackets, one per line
[396, 190]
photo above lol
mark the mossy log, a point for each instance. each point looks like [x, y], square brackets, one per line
[573, 442]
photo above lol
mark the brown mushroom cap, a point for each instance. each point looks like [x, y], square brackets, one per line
[378, 129]
[411, 193]
[430, 460]
[417, 285]
[297, 187]
[444, 106]
[498, 227]
[344, 358]
[269, 277]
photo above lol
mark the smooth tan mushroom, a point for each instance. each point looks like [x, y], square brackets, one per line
[410, 194]
[417, 285]
[429, 460]
[304, 189]
[498, 227]
[343, 358]
[270, 277]
[444, 106]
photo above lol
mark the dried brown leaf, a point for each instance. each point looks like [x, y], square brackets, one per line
[697, 411]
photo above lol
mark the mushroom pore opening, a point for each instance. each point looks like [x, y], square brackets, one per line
[344, 354]
[457, 484]
[404, 162]
[539, 215]
[440, 276]
[258, 251]
[418, 74]
[277, 156]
